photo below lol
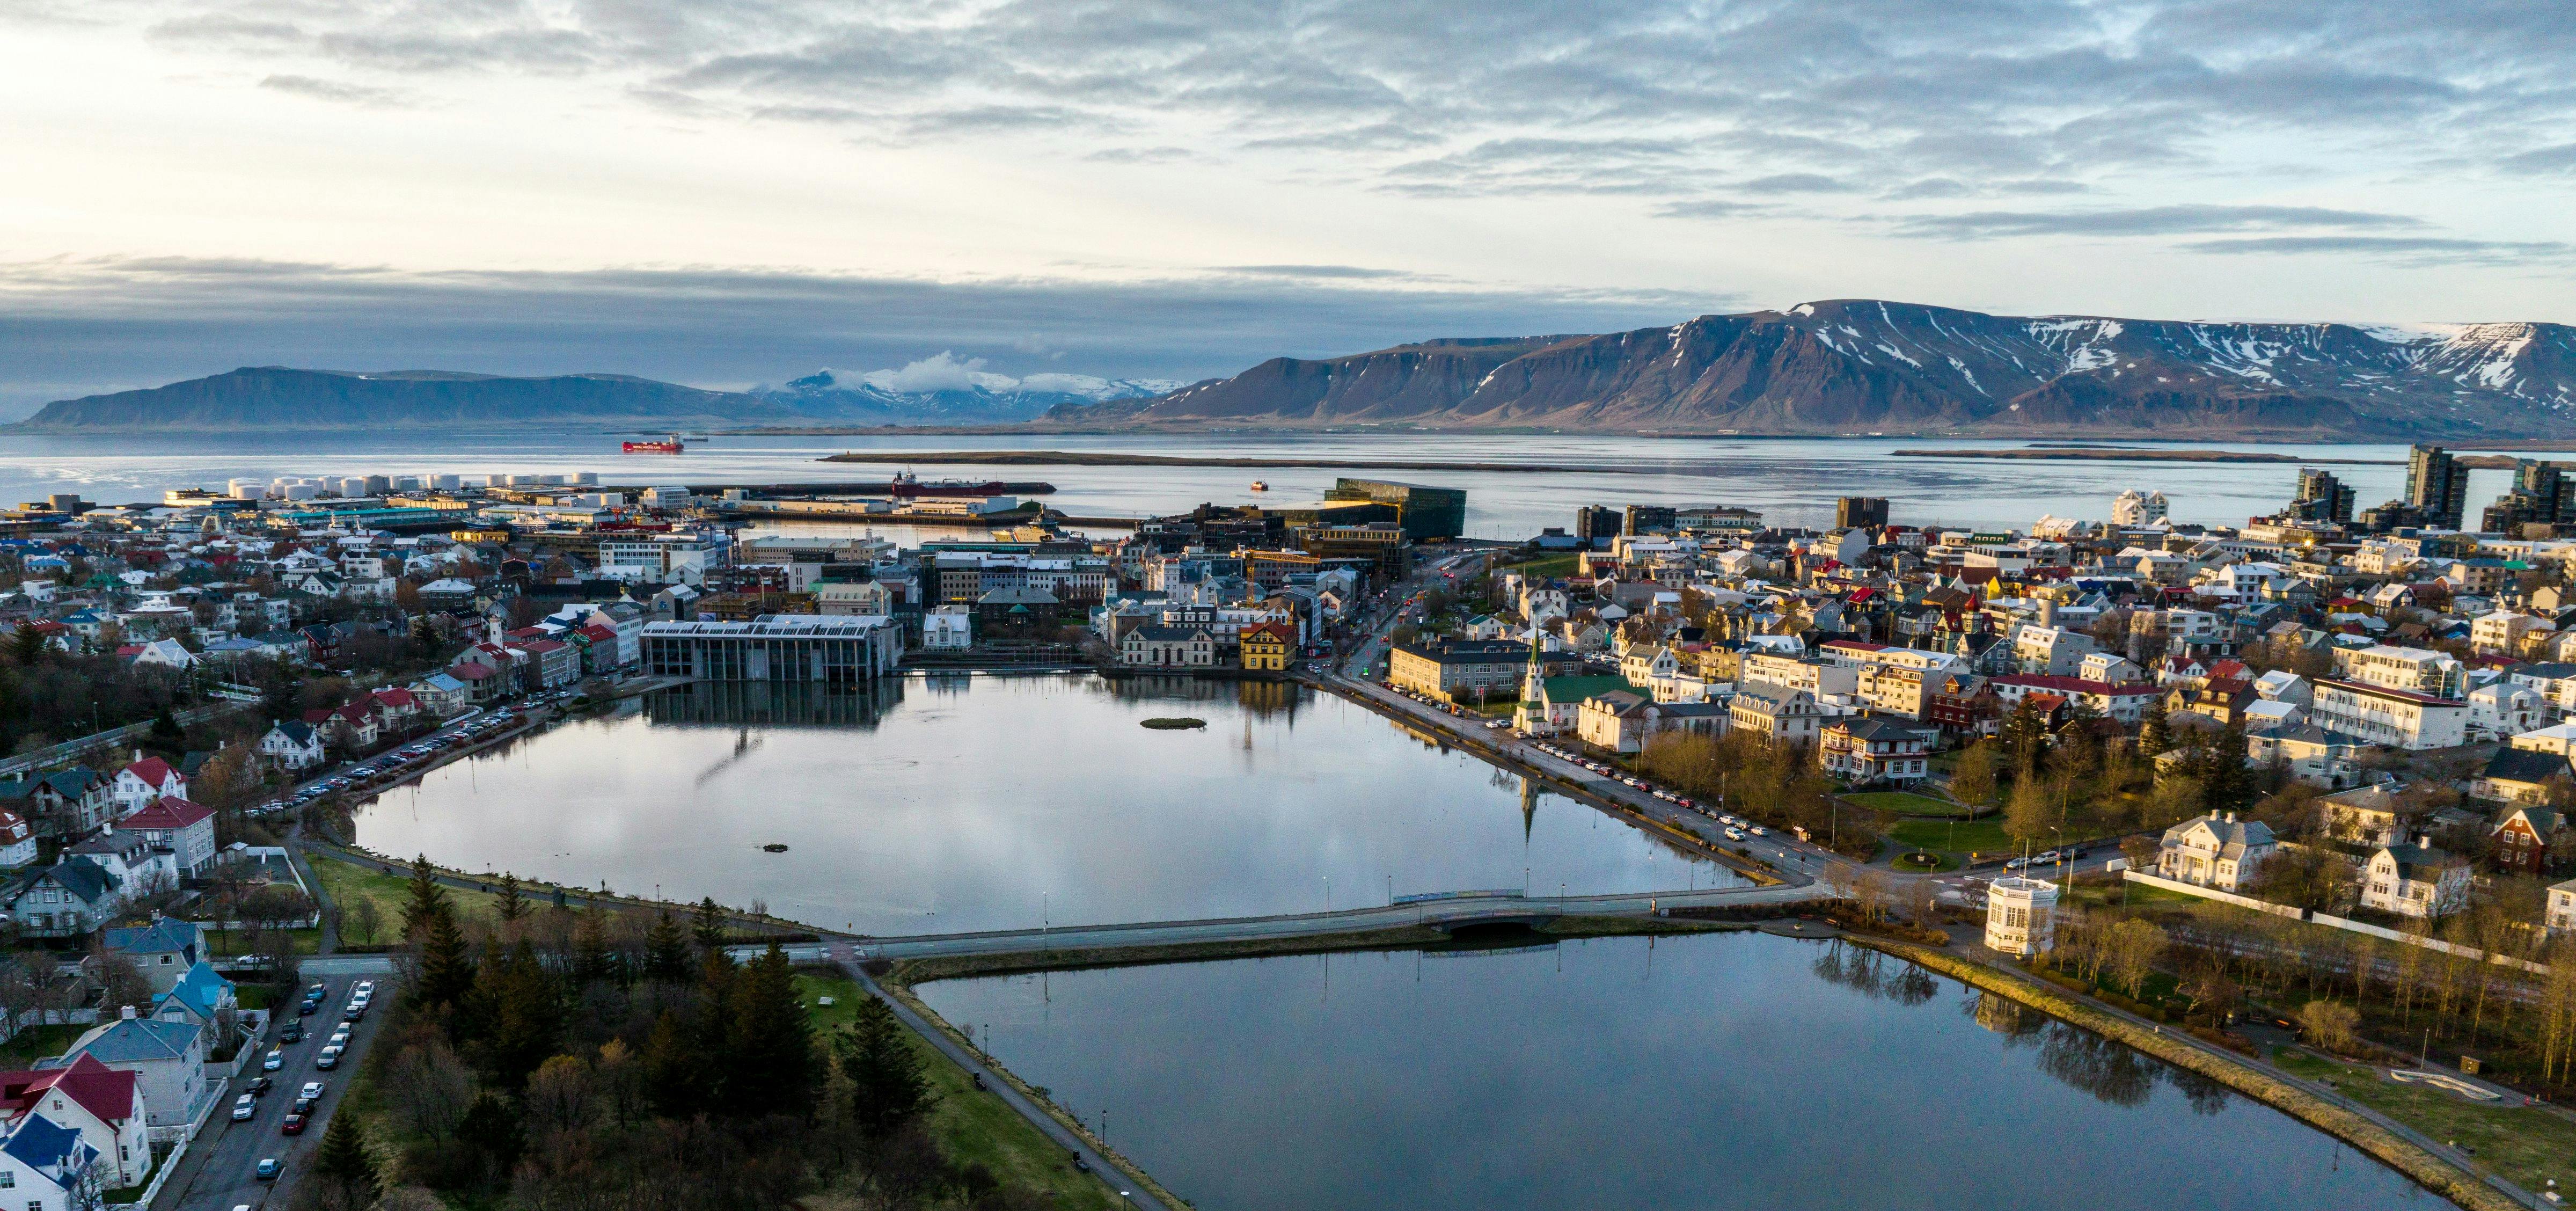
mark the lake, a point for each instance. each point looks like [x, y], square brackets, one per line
[1793, 480]
[937, 805]
[1735, 1071]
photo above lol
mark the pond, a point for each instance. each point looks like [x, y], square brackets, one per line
[1689, 1073]
[922, 805]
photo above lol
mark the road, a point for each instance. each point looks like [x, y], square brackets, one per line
[226, 1153]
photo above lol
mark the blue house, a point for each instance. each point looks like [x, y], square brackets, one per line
[49, 1166]
[166, 949]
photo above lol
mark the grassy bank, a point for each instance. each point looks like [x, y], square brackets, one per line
[346, 883]
[2434, 1172]
[2524, 1145]
[971, 1126]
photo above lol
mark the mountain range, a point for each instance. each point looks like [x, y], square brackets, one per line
[1837, 367]
[1852, 366]
[278, 397]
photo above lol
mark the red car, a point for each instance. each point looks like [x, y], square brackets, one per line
[294, 1125]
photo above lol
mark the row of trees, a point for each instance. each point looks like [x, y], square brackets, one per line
[551, 1059]
[1776, 784]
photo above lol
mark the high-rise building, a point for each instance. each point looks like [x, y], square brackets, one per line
[2543, 493]
[1596, 523]
[2135, 508]
[1427, 512]
[1651, 519]
[1867, 512]
[2322, 497]
[2436, 485]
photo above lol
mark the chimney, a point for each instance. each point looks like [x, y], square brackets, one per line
[127, 1013]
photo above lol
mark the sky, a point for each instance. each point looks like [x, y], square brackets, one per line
[738, 192]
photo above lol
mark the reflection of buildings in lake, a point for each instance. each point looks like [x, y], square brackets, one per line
[774, 704]
[1267, 698]
[2005, 1016]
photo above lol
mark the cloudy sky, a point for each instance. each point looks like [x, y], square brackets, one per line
[731, 191]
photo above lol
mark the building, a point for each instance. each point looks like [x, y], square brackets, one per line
[1162, 647]
[2367, 815]
[1860, 512]
[147, 779]
[2415, 880]
[1425, 512]
[2414, 670]
[2437, 486]
[2021, 916]
[1458, 670]
[2133, 508]
[1552, 706]
[183, 830]
[65, 900]
[1621, 721]
[1777, 714]
[168, 1058]
[17, 840]
[2393, 717]
[105, 1106]
[1863, 751]
[774, 647]
[163, 950]
[292, 744]
[47, 1166]
[2530, 840]
[948, 628]
[2321, 497]
[1265, 647]
[2216, 850]
[2560, 915]
[2519, 775]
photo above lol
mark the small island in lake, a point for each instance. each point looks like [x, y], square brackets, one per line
[1168, 723]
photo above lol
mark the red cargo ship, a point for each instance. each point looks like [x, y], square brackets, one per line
[668, 445]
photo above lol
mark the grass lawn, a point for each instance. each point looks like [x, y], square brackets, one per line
[2521, 1144]
[347, 883]
[1964, 836]
[1905, 803]
[1543, 568]
[1940, 862]
[237, 942]
[969, 1125]
[32, 1043]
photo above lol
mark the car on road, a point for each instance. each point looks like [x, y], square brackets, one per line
[307, 1008]
[292, 1124]
[303, 1108]
[328, 1060]
[260, 1085]
[1735, 834]
[244, 1107]
[269, 1168]
[312, 1089]
[274, 1060]
[1756, 830]
[294, 1033]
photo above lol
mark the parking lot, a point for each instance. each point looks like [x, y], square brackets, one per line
[227, 1154]
[417, 757]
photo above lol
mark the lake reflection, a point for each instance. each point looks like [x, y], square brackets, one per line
[937, 805]
[1729, 1071]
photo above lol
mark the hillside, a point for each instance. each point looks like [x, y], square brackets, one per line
[1865, 366]
[275, 397]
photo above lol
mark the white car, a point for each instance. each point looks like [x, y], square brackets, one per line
[244, 1107]
[1756, 830]
[274, 1060]
[1735, 834]
[311, 1089]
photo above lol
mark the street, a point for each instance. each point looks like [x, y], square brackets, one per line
[226, 1153]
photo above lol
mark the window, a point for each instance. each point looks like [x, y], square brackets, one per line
[7, 1179]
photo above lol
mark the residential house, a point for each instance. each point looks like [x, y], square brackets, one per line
[2531, 840]
[1621, 721]
[1162, 647]
[292, 745]
[2519, 775]
[184, 830]
[169, 1058]
[201, 998]
[104, 1105]
[1863, 751]
[2125, 704]
[47, 1166]
[1777, 714]
[948, 628]
[2401, 718]
[163, 950]
[147, 779]
[2415, 880]
[2304, 752]
[1553, 706]
[64, 804]
[1963, 705]
[2215, 850]
[2559, 915]
[2221, 700]
[2366, 815]
[2505, 708]
[442, 696]
[17, 841]
[66, 900]
[1266, 647]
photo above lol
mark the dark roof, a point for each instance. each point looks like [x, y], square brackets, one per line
[2524, 765]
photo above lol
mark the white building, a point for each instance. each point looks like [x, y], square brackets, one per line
[2560, 914]
[2414, 670]
[2134, 508]
[2402, 718]
[2216, 850]
[948, 628]
[2021, 916]
[2415, 881]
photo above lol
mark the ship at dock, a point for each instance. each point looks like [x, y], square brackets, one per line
[909, 485]
[662, 445]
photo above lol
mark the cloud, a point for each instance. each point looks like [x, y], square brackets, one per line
[338, 91]
[2144, 221]
[1311, 271]
[2559, 159]
[1709, 208]
[1795, 182]
[80, 326]
[943, 371]
[2417, 249]
[1140, 155]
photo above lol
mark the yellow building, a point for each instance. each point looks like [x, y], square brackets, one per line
[1265, 647]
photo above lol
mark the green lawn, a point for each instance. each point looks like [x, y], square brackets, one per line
[1905, 803]
[972, 1126]
[347, 883]
[1940, 862]
[1543, 568]
[32, 1043]
[237, 942]
[1964, 836]
[2523, 1145]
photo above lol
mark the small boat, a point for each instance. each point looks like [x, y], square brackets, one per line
[773, 848]
[667, 445]
[1261, 485]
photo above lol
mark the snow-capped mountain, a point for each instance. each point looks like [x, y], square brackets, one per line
[1864, 365]
[948, 390]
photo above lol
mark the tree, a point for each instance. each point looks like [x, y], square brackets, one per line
[2024, 735]
[2028, 814]
[429, 1088]
[520, 1010]
[446, 967]
[344, 1160]
[2134, 947]
[773, 1051]
[888, 1087]
[707, 925]
[1973, 782]
[2154, 734]
[2176, 799]
[561, 1098]
[508, 902]
[363, 920]
[2330, 1024]
[592, 960]
[427, 898]
[27, 646]
[121, 984]
[666, 951]
[490, 1135]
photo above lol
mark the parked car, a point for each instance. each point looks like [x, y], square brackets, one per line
[269, 1168]
[328, 1060]
[292, 1124]
[244, 1107]
[311, 1089]
[294, 1033]
[274, 1060]
[303, 1108]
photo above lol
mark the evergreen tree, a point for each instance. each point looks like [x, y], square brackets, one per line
[446, 965]
[510, 904]
[517, 1014]
[27, 645]
[707, 925]
[2231, 781]
[773, 1049]
[592, 960]
[428, 899]
[489, 1133]
[344, 1158]
[2155, 735]
[666, 951]
[887, 1085]
[675, 1071]
[2024, 736]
